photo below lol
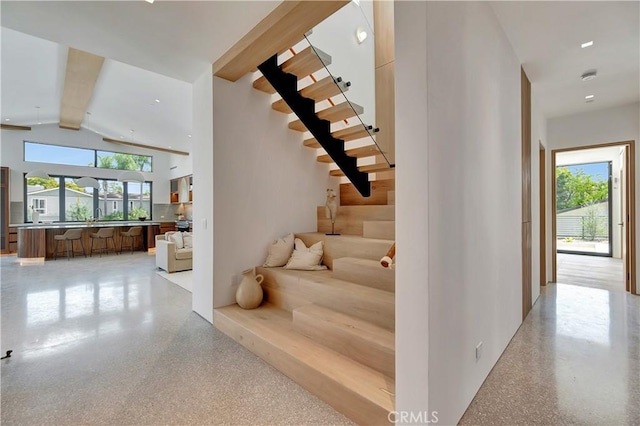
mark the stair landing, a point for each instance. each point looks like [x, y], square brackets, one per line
[361, 393]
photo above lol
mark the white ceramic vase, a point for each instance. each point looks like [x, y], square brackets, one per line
[35, 216]
[249, 294]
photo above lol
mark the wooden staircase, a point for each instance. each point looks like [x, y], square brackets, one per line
[331, 331]
[307, 102]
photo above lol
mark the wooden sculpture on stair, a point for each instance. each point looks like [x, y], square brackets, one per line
[331, 208]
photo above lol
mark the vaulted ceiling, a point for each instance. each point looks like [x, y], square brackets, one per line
[155, 51]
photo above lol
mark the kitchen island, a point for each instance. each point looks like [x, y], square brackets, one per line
[36, 240]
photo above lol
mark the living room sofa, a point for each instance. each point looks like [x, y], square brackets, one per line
[171, 255]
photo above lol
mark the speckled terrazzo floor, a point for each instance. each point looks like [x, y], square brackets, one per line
[109, 342]
[574, 361]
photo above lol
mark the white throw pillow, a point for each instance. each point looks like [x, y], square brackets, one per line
[306, 259]
[175, 237]
[279, 252]
[187, 239]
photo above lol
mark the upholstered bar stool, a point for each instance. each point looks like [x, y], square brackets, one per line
[103, 236]
[133, 233]
[69, 237]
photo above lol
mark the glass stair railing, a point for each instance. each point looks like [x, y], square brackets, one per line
[338, 124]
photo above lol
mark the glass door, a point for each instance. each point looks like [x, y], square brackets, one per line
[583, 209]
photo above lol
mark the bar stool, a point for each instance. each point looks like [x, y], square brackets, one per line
[69, 238]
[133, 233]
[103, 235]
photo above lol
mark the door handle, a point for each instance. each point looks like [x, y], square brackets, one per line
[621, 224]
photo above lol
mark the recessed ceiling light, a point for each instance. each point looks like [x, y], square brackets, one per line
[587, 44]
[157, 101]
[589, 75]
[149, 1]
[589, 96]
[168, 146]
[188, 136]
[121, 137]
[7, 119]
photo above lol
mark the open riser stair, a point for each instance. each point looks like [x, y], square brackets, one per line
[322, 110]
[331, 331]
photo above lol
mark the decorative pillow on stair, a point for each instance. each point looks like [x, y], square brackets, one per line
[279, 252]
[306, 259]
[175, 237]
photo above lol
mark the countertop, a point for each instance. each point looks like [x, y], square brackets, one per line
[64, 225]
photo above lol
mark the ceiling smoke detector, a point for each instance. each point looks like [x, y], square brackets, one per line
[589, 75]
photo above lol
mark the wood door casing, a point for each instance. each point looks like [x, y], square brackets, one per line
[630, 209]
[525, 87]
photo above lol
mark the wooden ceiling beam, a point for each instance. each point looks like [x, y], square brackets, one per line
[14, 127]
[83, 69]
[139, 145]
[278, 31]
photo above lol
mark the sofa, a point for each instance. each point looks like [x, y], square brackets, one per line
[174, 251]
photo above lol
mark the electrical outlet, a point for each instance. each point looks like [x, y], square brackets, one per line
[478, 351]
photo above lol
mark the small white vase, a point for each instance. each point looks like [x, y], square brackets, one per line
[249, 294]
[35, 216]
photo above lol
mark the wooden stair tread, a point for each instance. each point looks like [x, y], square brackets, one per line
[349, 134]
[379, 229]
[332, 114]
[370, 168]
[350, 219]
[367, 272]
[359, 340]
[301, 65]
[289, 290]
[318, 91]
[360, 152]
[369, 331]
[363, 394]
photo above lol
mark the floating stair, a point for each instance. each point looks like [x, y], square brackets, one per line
[301, 65]
[380, 229]
[360, 152]
[365, 272]
[361, 393]
[285, 84]
[332, 114]
[318, 91]
[370, 168]
[350, 219]
[349, 134]
[359, 340]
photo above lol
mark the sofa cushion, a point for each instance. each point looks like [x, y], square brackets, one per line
[184, 253]
[187, 239]
[176, 238]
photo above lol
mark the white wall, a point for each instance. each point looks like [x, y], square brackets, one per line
[616, 124]
[265, 182]
[12, 155]
[412, 226]
[181, 165]
[473, 230]
[202, 155]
